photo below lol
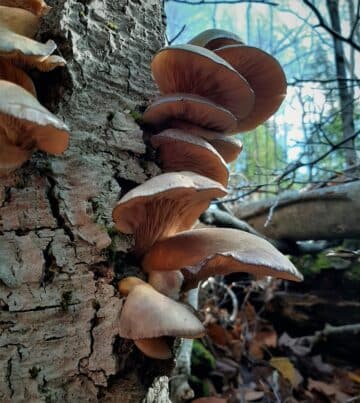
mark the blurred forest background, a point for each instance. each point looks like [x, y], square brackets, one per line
[314, 136]
[297, 183]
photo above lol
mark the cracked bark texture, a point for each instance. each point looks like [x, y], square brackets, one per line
[58, 318]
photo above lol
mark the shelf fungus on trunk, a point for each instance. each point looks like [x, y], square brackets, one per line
[179, 151]
[9, 72]
[17, 28]
[265, 76]
[189, 108]
[37, 7]
[202, 253]
[196, 70]
[215, 38]
[148, 317]
[164, 205]
[25, 125]
[228, 147]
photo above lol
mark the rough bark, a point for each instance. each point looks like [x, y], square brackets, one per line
[328, 213]
[58, 316]
[346, 101]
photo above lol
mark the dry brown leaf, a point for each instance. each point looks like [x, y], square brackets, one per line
[287, 370]
[253, 395]
[355, 377]
[218, 334]
[264, 338]
[330, 391]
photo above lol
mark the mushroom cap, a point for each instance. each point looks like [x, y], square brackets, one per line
[228, 147]
[24, 117]
[266, 77]
[215, 38]
[25, 51]
[19, 21]
[180, 151]
[148, 314]
[190, 108]
[37, 7]
[164, 205]
[11, 156]
[168, 283]
[154, 348]
[205, 252]
[9, 72]
[195, 130]
[196, 70]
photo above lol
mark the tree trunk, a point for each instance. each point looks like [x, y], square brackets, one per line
[328, 213]
[58, 313]
[346, 101]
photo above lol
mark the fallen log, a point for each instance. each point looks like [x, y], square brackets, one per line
[328, 213]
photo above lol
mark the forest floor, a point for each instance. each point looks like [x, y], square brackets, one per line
[270, 341]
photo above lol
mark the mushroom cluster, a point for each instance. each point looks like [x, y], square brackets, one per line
[210, 88]
[25, 125]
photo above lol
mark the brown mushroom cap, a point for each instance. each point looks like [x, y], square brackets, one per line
[148, 314]
[19, 21]
[180, 151]
[205, 252]
[37, 7]
[215, 38]
[9, 72]
[228, 147]
[266, 77]
[195, 130]
[163, 206]
[190, 108]
[11, 156]
[25, 121]
[154, 348]
[196, 70]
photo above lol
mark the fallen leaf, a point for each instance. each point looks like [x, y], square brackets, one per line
[264, 338]
[354, 377]
[287, 370]
[330, 391]
[218, 334]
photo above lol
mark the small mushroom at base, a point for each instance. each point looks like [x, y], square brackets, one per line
[148, 314]
[154, 348]
[167, 282]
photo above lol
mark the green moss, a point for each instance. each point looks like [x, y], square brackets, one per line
[137, 116]
[201, 359]
[112, 26]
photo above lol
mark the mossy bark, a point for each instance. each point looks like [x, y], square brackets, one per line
[58, 308]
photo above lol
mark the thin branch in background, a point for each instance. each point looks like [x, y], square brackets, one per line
[170, 41]
[322, 23]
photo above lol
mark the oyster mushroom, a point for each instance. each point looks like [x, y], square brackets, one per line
[189, 108]
[9, 72]
[37, 7]
[179, 151]
[228, 147]
[20, 21]
[215, 38]
[196, 70]
[265, 76]
[163, 206]
[167, 282]
[148, 316]
[26, 125]
[202, 253]
[21, 50]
